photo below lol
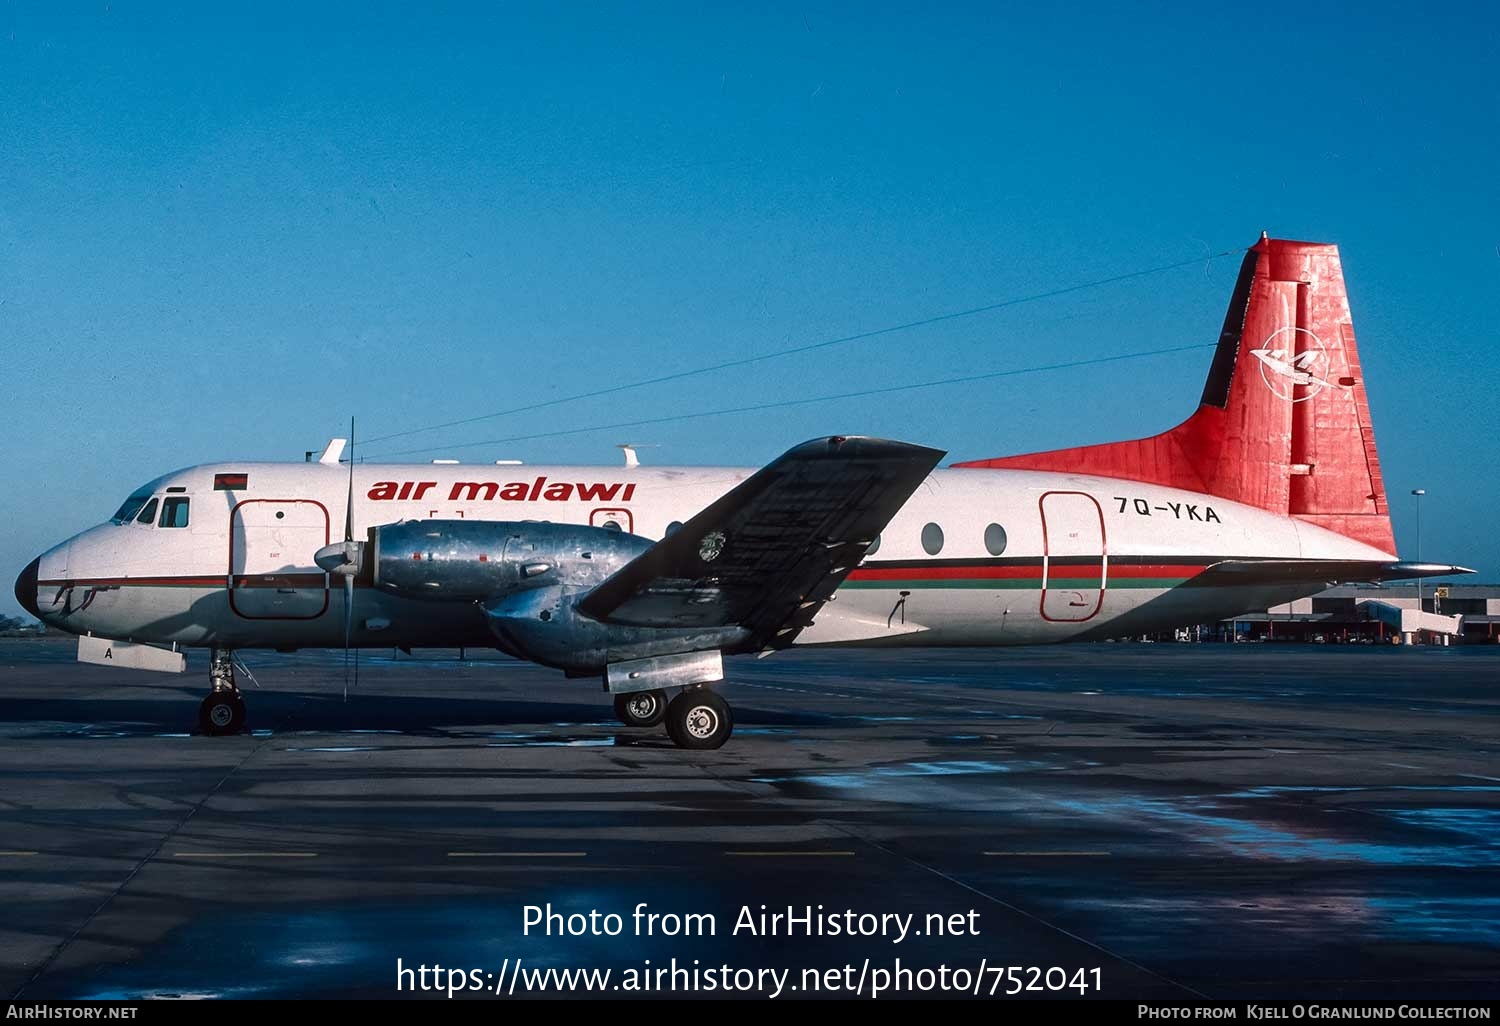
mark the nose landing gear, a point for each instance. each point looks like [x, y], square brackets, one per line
[223, 711]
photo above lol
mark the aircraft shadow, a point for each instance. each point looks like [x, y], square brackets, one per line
[300, 711]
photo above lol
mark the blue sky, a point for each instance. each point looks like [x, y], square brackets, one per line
[224, 230]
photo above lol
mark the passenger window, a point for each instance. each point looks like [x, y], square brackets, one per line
[994, 539]
[932, 539]
[174, 513]
[148, 514]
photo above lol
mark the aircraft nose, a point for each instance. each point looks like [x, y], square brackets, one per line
[26, 588]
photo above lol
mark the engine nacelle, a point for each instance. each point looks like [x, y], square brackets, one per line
[545, 626]
[473, 560]
[529, 576]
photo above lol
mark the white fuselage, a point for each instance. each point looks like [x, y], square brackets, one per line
[1015, 557]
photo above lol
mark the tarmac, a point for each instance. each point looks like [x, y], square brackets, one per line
[1226, 821]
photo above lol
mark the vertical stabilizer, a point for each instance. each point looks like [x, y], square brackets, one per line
[1283, 423]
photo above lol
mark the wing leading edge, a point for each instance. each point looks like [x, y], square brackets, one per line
[770, 552]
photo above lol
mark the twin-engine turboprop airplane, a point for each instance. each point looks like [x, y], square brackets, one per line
[646, 577]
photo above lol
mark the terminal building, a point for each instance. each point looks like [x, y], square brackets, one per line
[1442, 614]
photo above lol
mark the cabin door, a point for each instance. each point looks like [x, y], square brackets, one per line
[272, 575]
[1074, 563]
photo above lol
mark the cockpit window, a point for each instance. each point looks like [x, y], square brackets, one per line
[148, 514]
[174, 512]
[130, 508]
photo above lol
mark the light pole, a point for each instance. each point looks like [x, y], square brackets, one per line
[1418, 493]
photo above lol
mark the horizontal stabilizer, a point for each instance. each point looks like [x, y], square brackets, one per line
[1331, 571]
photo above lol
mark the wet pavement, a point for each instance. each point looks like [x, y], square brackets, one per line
[1250, 821]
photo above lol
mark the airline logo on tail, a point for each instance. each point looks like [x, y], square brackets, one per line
[1284, 369]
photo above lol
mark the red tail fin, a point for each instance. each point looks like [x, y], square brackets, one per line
[1284, 423]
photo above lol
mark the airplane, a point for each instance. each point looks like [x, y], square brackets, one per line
[645, 578]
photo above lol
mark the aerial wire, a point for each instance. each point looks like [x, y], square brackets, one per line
[777, 354]
[784, 403]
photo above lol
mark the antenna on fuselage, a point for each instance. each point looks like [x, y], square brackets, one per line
[632, 455]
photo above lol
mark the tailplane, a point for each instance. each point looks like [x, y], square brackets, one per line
[1283, 424]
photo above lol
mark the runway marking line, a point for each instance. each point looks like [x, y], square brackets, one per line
[244, 854]
[517, 854]
[1049, 854]
[784, 854]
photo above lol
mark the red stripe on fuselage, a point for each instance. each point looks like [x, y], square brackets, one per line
[315, 580]
[1155, 569]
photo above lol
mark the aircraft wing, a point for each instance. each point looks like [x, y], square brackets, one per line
[1333, 571]
[770, 552]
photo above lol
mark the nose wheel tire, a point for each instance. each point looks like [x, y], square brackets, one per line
[641, 708]
[699, 719]
[221, 713]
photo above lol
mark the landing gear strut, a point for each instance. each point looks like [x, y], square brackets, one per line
[223, 711]
[699, 719]
[641, 708]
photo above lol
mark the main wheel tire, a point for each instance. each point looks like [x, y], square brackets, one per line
[222, 713]
[641, 708]
[699, 719]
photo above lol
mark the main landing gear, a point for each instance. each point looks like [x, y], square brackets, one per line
[698, 718]
[223, 711]
[641, 708]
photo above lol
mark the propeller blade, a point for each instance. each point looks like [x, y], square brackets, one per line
[348, 631]
[350, 567]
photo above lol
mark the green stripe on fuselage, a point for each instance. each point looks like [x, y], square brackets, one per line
[1004, 584]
